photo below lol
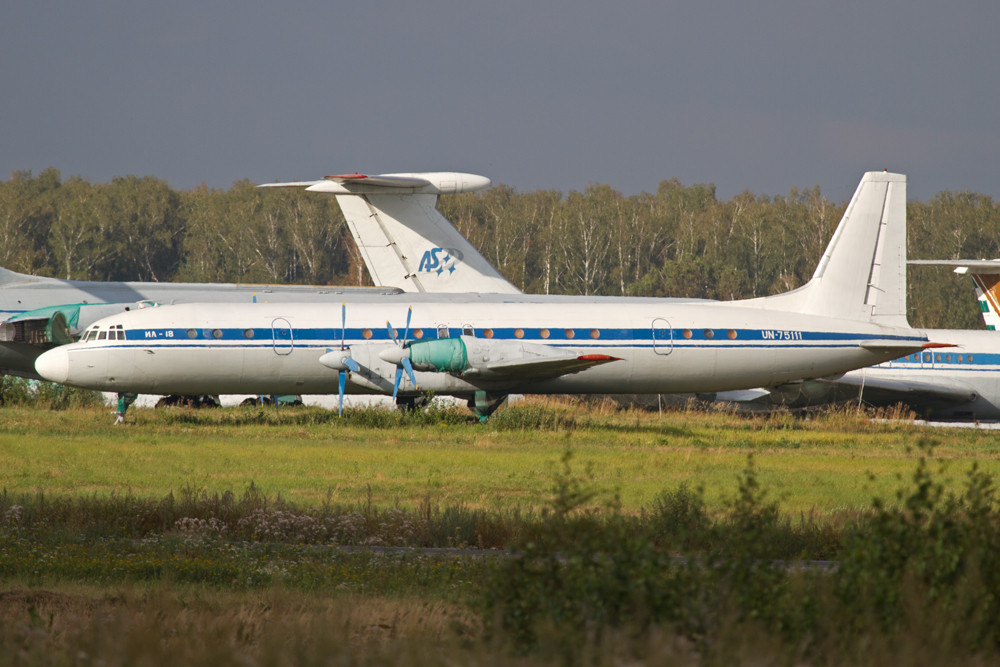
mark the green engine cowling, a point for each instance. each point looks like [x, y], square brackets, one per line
[443, 355]
[44, 326]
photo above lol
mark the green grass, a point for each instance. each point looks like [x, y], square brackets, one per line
[821, 465]
[220, 527]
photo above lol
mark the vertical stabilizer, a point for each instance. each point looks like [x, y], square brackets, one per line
[8, 277]
[407, 243]
[862, 273]
[404, 240]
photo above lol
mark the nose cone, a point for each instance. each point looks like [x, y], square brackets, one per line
[53, 365]
[394, 355]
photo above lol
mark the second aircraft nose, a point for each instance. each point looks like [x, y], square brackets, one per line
[53, 365]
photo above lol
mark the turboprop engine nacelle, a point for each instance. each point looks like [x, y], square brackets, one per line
[467, 355]
[338, 360]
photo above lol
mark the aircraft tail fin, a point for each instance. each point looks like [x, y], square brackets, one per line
[988, 293]
[985, 275]
[8, 277]
[862, 273]
[403, 239]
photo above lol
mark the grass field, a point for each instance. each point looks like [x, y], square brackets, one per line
[819, 465]
[211, 537]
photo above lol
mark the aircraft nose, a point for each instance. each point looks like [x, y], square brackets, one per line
[53, 365]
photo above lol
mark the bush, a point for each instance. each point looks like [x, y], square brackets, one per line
[48, 395]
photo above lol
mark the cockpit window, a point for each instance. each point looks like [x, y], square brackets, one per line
[102, 336]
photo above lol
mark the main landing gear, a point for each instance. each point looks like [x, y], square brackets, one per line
[124, 401]
[483, 404]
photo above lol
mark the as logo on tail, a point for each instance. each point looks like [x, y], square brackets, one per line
[439, 260]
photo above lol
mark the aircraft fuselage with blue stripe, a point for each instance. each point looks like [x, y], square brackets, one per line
[658, 345]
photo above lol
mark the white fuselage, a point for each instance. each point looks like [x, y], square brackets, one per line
[660, 345]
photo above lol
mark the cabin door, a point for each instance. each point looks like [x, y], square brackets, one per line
[282, 332]
[663, 336]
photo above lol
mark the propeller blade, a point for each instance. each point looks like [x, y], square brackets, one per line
[406, 334]
[343, 324]
[395, 386]
[409, 371]
[392, 332]
[342, 381]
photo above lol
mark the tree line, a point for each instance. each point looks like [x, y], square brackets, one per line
[679, 241]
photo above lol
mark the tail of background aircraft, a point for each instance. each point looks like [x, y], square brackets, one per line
[862, 273]
[403, 239]
[985, 275]
[8, 277]
[988, 293]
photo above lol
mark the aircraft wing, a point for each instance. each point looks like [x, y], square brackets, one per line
[543, 369]
[885, 390]
[874, 390]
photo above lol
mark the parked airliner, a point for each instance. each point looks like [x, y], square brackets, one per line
[481, 347]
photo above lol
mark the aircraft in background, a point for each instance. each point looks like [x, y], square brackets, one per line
[38, 313]
[403, 238]
[482, 347]
[960, 383]
[985, 276]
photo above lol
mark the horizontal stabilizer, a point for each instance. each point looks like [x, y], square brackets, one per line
[902, 346]
[963, 266]
[384, 180]
[433, 183]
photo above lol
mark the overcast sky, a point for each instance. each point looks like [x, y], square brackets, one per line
[760, 95]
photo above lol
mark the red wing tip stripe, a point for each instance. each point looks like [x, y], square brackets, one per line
[597, 357]
[928, 346]
[352, 177]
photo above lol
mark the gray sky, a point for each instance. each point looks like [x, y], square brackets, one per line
[760, 95]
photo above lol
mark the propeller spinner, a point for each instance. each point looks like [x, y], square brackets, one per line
[341, 360]
[400, 355]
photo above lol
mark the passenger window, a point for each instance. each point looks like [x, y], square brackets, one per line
[443, 331]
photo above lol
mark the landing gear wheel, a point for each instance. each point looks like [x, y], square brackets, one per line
[483, 404]
[411, 403]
